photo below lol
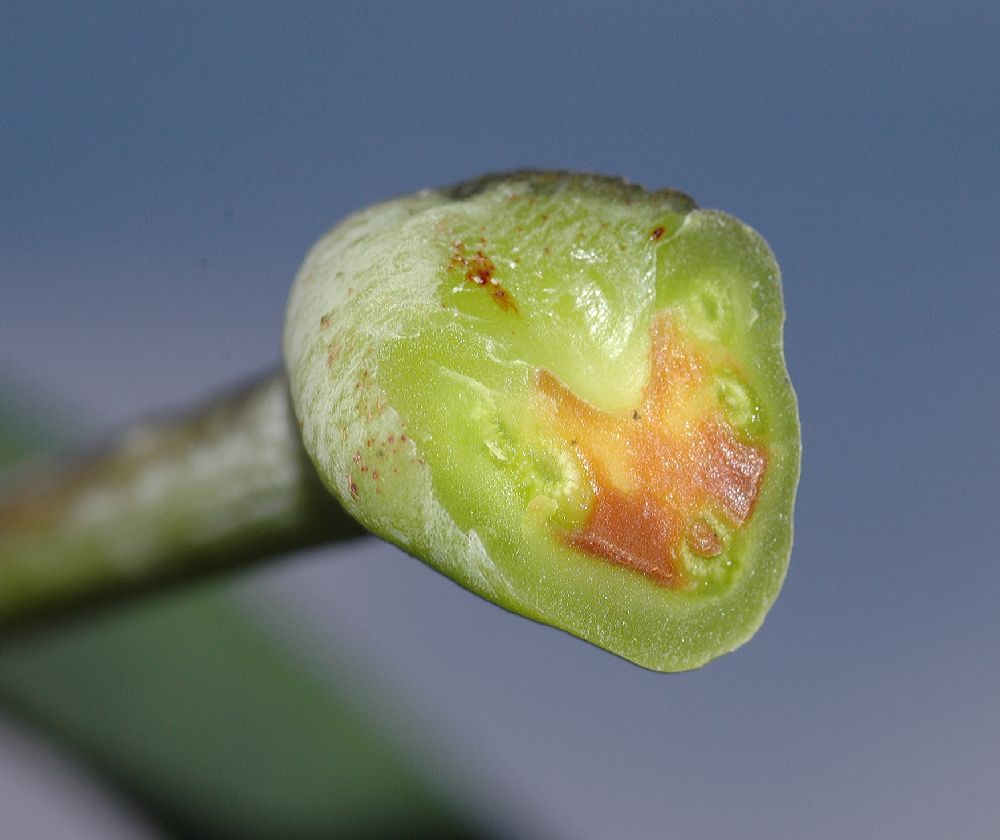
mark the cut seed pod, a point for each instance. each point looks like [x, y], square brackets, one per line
[566, 393]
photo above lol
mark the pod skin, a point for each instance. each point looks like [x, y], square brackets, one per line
[567, 394]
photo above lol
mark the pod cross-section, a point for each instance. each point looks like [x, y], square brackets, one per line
[564, 392]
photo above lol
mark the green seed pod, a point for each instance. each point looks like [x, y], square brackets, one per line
[564, 392]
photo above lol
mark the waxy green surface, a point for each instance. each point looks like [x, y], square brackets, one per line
[418, 333]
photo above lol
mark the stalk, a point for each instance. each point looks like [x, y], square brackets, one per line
[225, 486]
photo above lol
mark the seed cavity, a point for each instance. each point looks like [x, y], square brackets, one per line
[734, 397]
[710, 311]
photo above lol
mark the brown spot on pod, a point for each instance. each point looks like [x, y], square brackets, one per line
[481, 271]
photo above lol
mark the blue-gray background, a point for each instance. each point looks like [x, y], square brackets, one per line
[164, 167]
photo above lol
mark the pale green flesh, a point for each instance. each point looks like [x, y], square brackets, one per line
[583, 269]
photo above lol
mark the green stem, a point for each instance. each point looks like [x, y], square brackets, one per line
[170, 499]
